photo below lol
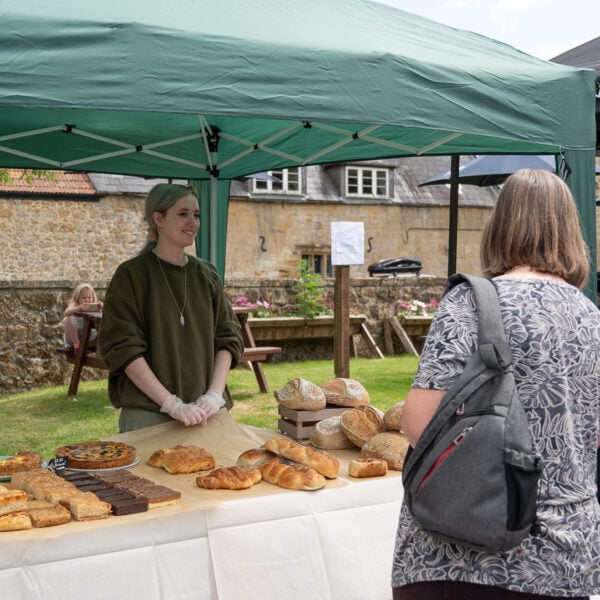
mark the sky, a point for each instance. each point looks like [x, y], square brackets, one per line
[543, 28]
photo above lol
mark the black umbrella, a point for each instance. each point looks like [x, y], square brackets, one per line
[494, 169]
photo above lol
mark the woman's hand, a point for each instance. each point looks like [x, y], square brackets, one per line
[210, 402]
[188, 414]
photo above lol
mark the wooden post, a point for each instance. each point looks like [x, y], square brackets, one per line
[341, 334]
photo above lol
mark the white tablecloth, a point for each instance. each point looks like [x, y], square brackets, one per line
[264, 543]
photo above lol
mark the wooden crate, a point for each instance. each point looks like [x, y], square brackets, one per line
[298, 424]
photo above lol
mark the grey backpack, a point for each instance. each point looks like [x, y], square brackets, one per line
[472, 477]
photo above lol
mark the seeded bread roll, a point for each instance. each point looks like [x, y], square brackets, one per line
[361, 423]
[321, 461]
[300, 394]
[254, 458]
[345, 392]
[182, 459]
[291, 475]
[392, 418]
[367, 467]
[328, 435]
[390, 446]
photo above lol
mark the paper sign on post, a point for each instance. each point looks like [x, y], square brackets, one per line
[347, 243]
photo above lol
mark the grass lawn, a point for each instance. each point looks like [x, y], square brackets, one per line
[43, 419]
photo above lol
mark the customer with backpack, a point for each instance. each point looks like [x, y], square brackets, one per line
[533, 249]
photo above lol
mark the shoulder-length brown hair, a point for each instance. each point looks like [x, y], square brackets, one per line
[535, 224]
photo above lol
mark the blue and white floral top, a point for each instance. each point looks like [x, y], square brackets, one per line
[554, 332]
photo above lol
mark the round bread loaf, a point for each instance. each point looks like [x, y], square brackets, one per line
[392, 418]
[345, 392]
[254, 458]
[367, 467]
[300, 394]
[361, 423]
[390, 446]
[328, 435]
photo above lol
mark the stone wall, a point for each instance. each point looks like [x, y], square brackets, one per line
[30, 315]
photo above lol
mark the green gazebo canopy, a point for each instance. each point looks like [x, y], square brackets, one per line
[209, 91]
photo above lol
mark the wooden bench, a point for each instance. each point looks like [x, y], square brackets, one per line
[87, 360]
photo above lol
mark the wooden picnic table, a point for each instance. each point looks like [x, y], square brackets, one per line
[88, 356]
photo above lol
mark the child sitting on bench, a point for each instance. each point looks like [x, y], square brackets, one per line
[83, 299]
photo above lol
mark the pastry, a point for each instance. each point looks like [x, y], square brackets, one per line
[367, 467]
[182, 459]
[328, 435]
[345, 392]
[361, 423]
[229, 478]
[14, 521]
[254, 458]
[97, 455]
[291, 475]
[87, 507]
[392, 418]
[321, 461]
[390, 446]
[46, 517]
[156, 495]
[300, 394]
[21, 461]
[12, 500]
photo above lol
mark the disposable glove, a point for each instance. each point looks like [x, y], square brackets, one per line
[188, 414]
[210, 402]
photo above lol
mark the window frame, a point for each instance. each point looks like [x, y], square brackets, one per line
[373, 171]
[266, 187]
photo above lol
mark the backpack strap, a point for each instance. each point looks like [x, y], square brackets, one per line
[493, 346]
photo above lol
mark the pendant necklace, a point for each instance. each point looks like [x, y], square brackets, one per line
[181, 317]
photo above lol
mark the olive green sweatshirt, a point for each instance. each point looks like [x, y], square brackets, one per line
[141, 317]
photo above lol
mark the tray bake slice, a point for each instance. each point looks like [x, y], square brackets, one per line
[97, 455]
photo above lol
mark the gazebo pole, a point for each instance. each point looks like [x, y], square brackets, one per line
[453, 218]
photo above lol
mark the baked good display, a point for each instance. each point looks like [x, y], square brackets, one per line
[97, 455]
[390, 446]
[318, 459]
[345, 392]
[15, 521]
[361, 423]
[367, 467]
[23, 460]
[392, 418]
[229, 478]
[12, 500]
[156, 495]
[300, 394]
[328, 435]
[182, 459]
[291, 475]
[254, 458]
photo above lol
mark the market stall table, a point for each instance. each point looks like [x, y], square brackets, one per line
[265, 542]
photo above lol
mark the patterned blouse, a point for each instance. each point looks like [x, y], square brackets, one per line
[554, 332]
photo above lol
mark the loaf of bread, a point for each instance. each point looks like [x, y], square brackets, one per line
[182, 459]
[14, 521]
[361, 423]
[390, 446]
[300, 394]
[254, 458]
[321, 461]
[392, 418]
[367, 467]
[229, 478]
[291, 475]
[328, 435]
[345, 392]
